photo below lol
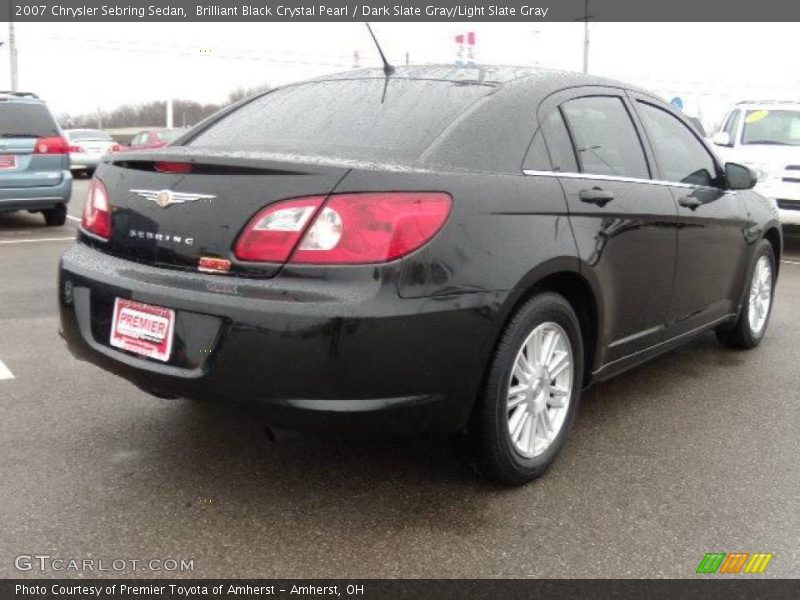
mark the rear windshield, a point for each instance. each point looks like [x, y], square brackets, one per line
[359, 118]
[88, 134]
[24, 119]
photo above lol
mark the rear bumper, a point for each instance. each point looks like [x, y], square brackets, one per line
[345, 355]
[84, 161]
[37, 198]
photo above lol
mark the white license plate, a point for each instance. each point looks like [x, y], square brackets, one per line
[143, 328]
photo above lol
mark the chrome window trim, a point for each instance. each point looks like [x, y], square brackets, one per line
[592, 176]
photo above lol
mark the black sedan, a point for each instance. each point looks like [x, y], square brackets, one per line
[430, 250]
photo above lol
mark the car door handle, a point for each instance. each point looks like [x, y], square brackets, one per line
[690, 202]
[596, 195]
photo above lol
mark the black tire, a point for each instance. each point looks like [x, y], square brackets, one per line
[740, 334]
[56, 216]
[495, 454]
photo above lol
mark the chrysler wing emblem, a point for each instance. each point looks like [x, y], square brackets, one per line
[165, 198]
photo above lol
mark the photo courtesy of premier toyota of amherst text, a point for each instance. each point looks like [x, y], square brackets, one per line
[395, 301]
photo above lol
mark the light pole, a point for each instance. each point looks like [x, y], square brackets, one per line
[534, 35]
[585, 19]
[12, 51]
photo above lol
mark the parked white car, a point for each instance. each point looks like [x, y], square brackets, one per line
[765, 136]
[87, 147]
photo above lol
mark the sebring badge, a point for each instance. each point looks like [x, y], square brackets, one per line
[165, 198]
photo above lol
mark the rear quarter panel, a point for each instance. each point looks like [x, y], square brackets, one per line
[502, 228]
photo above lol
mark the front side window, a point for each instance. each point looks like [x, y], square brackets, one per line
[774, 127]
[605, 139]
[681, 158]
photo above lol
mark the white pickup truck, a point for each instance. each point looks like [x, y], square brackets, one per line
[765, 136]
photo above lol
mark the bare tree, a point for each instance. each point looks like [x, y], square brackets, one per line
[151, 114]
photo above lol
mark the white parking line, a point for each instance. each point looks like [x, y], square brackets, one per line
[791, 262]
[71, 218]
[5, 372]
[32, 241]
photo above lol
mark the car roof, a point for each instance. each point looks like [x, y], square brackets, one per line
[769, 104]
[514, 90]
[542, 79]
[20, 97]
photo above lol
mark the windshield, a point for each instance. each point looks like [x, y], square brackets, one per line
[88, 134]
[778, 127]
[26, 119]
[381, 119]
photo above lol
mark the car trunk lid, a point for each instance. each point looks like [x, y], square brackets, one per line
[173, 219]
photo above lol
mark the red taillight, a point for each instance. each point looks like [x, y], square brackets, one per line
[75, 149]
[97, 211]
[273, 233]
[51, 145]
[173, 167]
[348, 229]
[114, 148]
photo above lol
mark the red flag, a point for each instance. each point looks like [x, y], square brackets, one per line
[471, 38]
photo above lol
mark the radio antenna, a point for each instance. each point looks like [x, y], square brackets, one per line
[388, 69]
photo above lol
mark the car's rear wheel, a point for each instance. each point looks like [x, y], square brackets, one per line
[531, 392]
[749, 328]
[56, 216]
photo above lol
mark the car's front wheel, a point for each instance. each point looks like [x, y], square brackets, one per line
[749, 328]
[56, 216]
[531, 392]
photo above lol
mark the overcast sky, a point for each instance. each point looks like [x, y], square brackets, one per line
[78, 67]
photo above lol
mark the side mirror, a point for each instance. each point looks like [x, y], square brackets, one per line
[739, 177]
[722, 138]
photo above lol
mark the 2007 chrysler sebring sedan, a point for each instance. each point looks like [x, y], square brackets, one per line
[437, 249]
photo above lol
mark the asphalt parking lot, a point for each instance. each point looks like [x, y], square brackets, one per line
[693, 453]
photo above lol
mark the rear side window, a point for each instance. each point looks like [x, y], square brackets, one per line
[680, 156]
[18, 119]
[552, 148]
[370, 118]
[605, 138]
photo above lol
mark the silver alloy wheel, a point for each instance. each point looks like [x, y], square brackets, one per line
[760, 295]
[539, 389]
